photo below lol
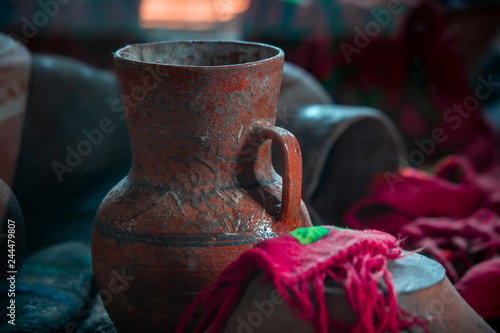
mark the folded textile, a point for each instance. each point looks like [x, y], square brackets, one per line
[413, 193]
[453, 215]
[51, 288]
[98, 320]
[298, 264]
[480, 288]
[55, 292]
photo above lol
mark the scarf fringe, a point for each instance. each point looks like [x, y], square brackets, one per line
[358, 269]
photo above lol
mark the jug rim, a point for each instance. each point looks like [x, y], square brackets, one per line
[119, 54]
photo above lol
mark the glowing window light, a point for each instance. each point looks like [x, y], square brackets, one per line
[189, 14]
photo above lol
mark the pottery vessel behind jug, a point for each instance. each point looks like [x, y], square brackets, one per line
[15, 64]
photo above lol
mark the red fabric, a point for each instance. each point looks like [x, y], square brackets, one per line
[355, 259]
[413, 193]
[453, 215]
[480, 287]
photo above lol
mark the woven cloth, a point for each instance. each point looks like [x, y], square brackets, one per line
[453, 214]
[303, 259]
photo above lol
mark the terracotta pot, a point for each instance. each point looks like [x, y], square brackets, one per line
[75, 142]
[422, 289]
[298, 89]
[15, 63]
[202, 188]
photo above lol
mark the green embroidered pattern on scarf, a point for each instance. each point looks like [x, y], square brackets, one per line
[309, 235]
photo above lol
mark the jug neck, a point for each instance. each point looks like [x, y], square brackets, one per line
[213, 158]
[198, 122]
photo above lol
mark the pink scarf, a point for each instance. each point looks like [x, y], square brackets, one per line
[306, 257]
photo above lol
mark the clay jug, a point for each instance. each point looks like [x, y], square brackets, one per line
[201, 188]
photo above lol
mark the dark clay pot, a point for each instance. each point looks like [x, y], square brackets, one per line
[343, 148]
[202, 188]
[15, 63]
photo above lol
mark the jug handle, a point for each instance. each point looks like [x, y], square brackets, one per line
[292, 168]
